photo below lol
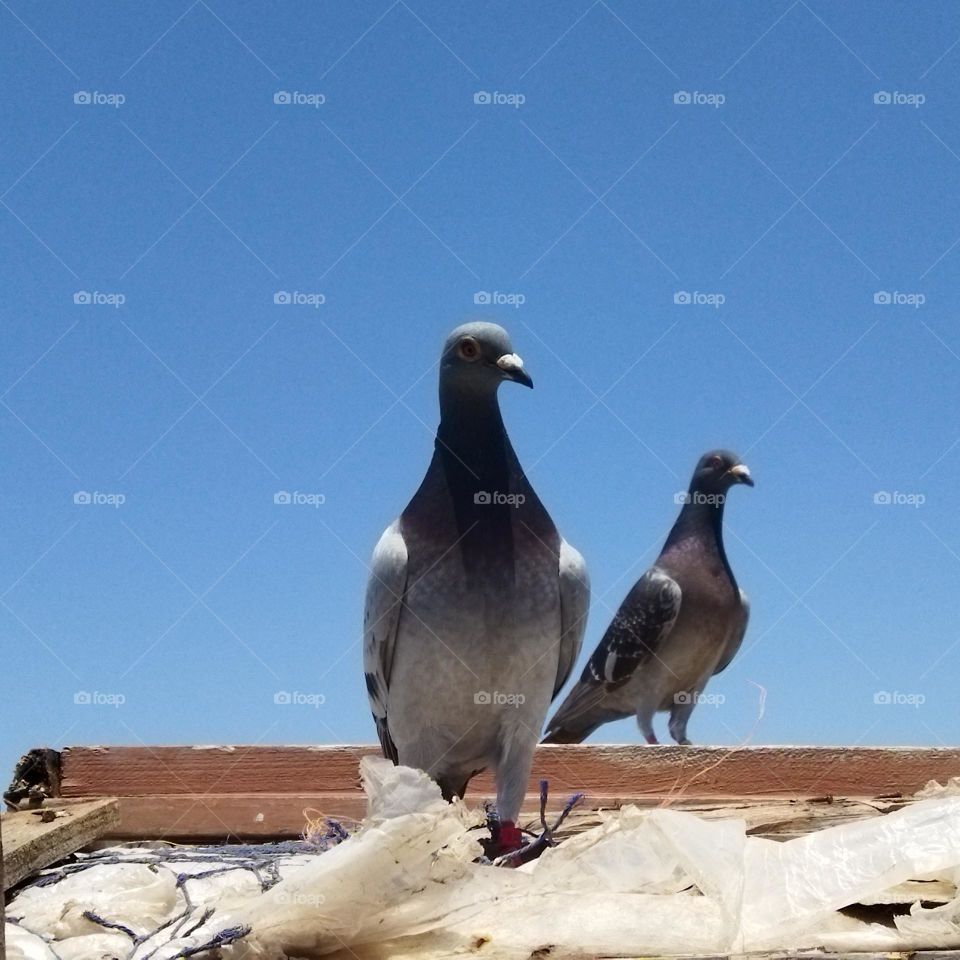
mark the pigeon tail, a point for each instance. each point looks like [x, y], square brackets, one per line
[577, 726]
[568, 735]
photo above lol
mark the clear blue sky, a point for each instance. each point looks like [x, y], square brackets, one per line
[782, 186]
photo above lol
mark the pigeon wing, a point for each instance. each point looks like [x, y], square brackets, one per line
[736, 635]
[381, 620]
[637, 632]
[574, 606]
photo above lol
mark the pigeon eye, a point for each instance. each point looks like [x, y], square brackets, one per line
[716, 463]
[469, 349]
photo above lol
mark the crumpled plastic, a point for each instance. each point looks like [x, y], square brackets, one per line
[644, 881]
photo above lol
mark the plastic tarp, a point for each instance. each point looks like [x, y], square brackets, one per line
[642, 882]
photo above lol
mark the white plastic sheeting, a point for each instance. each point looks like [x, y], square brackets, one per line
[642, 882]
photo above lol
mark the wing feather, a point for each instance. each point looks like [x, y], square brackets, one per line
[736, 635]
[574, 606]
[635, 635]
[381, 619]
[637, 631]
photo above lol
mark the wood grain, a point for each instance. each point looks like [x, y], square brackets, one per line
[604, 772]
[31, 843]
[262, 792]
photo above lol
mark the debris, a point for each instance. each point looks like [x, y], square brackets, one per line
[36, 778]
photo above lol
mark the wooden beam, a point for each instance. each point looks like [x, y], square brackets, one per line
[260, 792]
[33, 839]
[607, 773]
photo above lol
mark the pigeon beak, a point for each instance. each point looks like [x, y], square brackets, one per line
[512, 367]
[741, 473]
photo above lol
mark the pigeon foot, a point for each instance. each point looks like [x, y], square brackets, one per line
[505, 837]
[533, 849]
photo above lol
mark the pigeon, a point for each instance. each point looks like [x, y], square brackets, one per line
[475, 605]
[683, 621]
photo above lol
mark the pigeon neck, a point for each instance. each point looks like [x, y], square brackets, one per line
[474, 456]
[471, 438]
[701, 519]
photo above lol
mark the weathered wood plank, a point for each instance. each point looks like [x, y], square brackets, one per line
[773, 819]
[233, 817]
[31, 842]
[260, 792]
[261, 816]
[608, 774]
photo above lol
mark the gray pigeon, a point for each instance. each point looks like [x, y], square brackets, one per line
[682, 622]
[475, 606]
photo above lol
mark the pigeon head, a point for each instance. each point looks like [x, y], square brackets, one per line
[477, 357]
[719, 470]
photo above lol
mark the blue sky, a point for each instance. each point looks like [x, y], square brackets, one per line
[782, 201]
